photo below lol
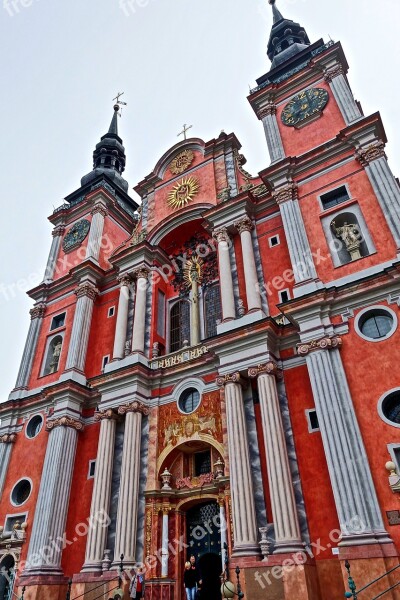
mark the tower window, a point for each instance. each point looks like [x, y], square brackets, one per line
[105, 361]
[111, 311]
[335, 197]
[202, 463]
[179, 325]
[92, 469]
[21, 492]
[312, 419]
[161, 314]
[57, 321]
[34, 426]
[284, 296]
[274, 241]
[212, 310]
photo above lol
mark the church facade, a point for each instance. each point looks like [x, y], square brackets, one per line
[211, 369]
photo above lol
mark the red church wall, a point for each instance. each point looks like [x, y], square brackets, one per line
[113, 236]
[102, 333]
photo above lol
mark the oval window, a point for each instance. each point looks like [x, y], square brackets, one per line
[21, 492]
[376, 324]
[34, 426]
[189, 401]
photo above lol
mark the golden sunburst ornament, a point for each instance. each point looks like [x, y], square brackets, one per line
[181, 162]
[183, 192]
[193, 270]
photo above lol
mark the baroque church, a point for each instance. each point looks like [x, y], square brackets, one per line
[211, 364]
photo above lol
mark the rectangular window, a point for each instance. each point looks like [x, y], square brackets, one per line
[92, 469]
[105, 361]
[335, 197]
[312, 420]
[111, 311]
[179, 325]
[161, 314]
[58, 321]
[274, 241]
[212, 310]
[202, 463]
[284, 296]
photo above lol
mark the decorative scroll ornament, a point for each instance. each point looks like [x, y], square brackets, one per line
[181, 162]
[267, 111]
[367, 155]
[138, 238]
[101, 209]
[322, 344]
[245, 224]
[135, 407]
[87, 289]
[286, 193]
[141, 273]
[335, 72]
[230, 378]
[193, 270]
[104, 415]
[64, 422]
[225, 194]
[183, 193]
[58, 231]
[8, 438]
[124, 280]
[240, 161]
[259, 190]
[195, 482]
[221, 235]
[270, 368]
[37, 312]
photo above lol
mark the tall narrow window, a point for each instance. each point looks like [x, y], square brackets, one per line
[179, 325]
[161, 314]
[212, 310]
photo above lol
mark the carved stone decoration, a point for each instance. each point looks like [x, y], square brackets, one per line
[133, 407]
[166, 478]
[38, 311]
[141, 273]
[224, 194]
[99, 209]
[223, 380]
[58, 231]
[8, 438]
[259, 190]
[245, 224]
[325, 343]
[101, 415]
[221, 235]
[86, 289]
[394, 478]
[195, 482]
[64, 422]
[240, 161]
[371, 153]
[106, 564]
[138, 238]
[181, 162]
[124, 280]
[265, 543]
[270, 368]
[286, 193]
[155, 352]
[241, 308]
[335, 72]
[219, 468]
[267, 111]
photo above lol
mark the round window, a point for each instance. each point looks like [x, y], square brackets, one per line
[34, 426]
[189, 401]
[376, 324]
[21, 492]
[391, 407]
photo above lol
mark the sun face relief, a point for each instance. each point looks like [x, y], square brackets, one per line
[181, 162]
[183, 193]
[305, 105]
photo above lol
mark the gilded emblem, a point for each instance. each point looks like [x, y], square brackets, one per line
[183, 193]
[193, 271]
[181, 162]
[304, 106]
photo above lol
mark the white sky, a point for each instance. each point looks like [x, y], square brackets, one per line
[178, 61]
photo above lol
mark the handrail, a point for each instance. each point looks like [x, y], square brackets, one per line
[379, 578]
[354, 593]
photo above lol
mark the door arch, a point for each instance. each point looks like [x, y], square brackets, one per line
[7, 574]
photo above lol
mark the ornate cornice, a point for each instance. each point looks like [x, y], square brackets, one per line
[267, 111]
[141, 273]
[221, 235]
[38, 312]
[8, 438]
[269, 368]
[64, 422]
[325, 343]
[245, 224]
[223, 380]
[104, 415]
[135, 407]
[367, 155]
[87, 289]
[58, 231]
[124, 280]
[99, 209]
[286, 193]
[335, 72]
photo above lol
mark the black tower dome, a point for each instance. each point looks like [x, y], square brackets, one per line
[287, 38]
[109, 157]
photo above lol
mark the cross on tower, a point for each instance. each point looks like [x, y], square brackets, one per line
[117, 99]
[185, 130]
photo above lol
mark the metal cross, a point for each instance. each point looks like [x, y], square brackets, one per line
[185, 130]
[117, 99]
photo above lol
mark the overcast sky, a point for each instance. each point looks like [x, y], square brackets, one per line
[178, 61]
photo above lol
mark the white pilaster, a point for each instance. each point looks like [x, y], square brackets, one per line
[57, 233]
[99, 511]
[242, 489]
[224, 532]
[6, 442]
[245, 227]
[272, 133]
[122, 317]
[164, 543]
[283, 503]
[225, 275]
[343, 94]
[37, 314]
[86, 293]
[99, 213]
[139, 322]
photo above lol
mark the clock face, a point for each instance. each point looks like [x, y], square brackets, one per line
[75, 236]
[304, 105]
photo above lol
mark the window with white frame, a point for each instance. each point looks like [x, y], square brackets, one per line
[91, 469]
[212, 310]
[274, 241]
[284, 296]
[179, 325]
[312, 420]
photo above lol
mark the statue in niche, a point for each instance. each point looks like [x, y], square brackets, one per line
[350, 235]
[56, 357]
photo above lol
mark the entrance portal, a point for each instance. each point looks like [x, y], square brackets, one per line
[210, 571]
[7, 577]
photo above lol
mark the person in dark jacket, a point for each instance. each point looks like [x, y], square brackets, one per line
[191, 579]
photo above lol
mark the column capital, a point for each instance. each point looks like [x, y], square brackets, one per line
[326, 343]
[99, 209]
[267, 111]
[332, 73]
[141, 273]
[372, 152]
[133, 407]
[124, 280]
[269, 368]
[221, 235]
[285, 193]
[8, 438]
[104, 415]
[58, 231]
[64, 421]
[87, 289]
[245, 224]
[37, 312]
[223, 380]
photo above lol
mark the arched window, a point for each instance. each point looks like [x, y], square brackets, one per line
[179, 325]
[53, 355]
[212, 310]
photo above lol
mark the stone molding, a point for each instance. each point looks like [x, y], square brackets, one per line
[141, 273]
[65, 422]
[335, 72]
[37, 312]
[325, 343]
[367, 155]
[8, 438]
[267, 111]
[104, 415]
[269, 368]
[221, 235]
[58, 231]
[134, 407]
[286, 193]
[124, 280]
[99, 209]
[245, 224]
[87, 289]
[236, 377]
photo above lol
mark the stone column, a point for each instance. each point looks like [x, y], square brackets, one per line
[385, 186]
[57, 234]
[343, 94]
[51, 511]
[245, 226]
[139, 322]
[99, 510]
[86, 293]
[165, 541]
[122, 317]
[243, 505]
[274, 141]
[37, 314]
[126, 533]
[224, 532]
[357, 505]
[225, 275]
[99, 213]
[283, 503]
[295, 231]
[6, 442]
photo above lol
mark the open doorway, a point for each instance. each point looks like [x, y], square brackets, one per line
[210, 571]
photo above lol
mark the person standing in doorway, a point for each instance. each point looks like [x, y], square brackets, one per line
[136, 588]
[191, 579]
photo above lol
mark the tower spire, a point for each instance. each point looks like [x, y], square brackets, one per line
[114, 121]
[277, 14]
[287, 38]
